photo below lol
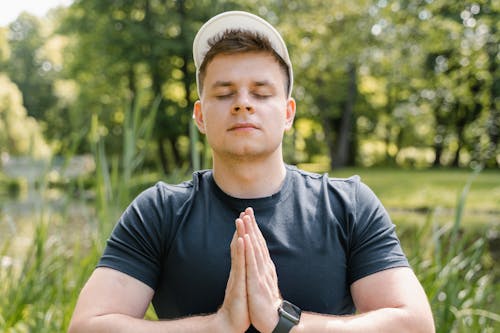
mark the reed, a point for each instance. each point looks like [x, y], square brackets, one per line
[39, 288]
[455, 269]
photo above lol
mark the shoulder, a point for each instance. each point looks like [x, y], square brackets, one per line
[346, 195]
[341, 186]
[181, 189]
[180, 192]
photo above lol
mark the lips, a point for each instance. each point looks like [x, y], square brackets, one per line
[243, 126]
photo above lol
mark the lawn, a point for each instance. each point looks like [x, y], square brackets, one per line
[410, 194]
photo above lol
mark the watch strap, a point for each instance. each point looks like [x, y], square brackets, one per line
[289, 316]
[284, 325]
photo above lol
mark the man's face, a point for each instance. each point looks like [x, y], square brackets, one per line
[244, 109]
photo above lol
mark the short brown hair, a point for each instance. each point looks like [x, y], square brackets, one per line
[240, 41]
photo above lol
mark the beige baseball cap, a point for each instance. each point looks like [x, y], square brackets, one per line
[243, 21]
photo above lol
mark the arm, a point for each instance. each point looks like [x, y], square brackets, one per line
[112, 301]
[388, 301]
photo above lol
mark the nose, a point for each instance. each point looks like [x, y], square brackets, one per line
[242, 103]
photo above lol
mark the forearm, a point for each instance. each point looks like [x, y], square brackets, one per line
[387, 320]
[110, 323]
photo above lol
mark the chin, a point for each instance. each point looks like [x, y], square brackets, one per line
[251, 154]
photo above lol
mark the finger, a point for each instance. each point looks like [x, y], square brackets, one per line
[240, 227]
[250, 260]
[262, 242]
[234, 310]
[233, 251]
[240, 269]
[237, 275]
[249, 212]
[262, 290]
[262, 252]
[252, 233]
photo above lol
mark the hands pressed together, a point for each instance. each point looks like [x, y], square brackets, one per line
[252, 294]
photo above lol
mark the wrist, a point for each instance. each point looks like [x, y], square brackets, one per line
[221, 322]
[274, 321]
[288, 317]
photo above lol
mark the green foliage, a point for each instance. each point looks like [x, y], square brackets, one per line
[456, 274]
[38, 294]
[409, 83]
[32, 73]
[19, 133]
[39, 289]
[4, 47]
[114, 189]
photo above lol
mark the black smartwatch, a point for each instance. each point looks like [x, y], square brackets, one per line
[289, 317]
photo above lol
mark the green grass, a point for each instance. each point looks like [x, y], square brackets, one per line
[410, 194]
[418, 189]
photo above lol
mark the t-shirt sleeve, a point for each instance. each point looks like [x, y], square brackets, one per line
[374, 245]
[135, 245]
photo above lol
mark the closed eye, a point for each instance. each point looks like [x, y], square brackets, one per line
[224, 96]
[262, 96]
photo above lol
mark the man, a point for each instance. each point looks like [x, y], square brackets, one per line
[253, 244]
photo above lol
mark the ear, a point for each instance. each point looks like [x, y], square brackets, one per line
[198, 117]
[290, 113]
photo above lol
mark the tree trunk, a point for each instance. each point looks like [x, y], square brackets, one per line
[456, 158]
[330, 140]
[460, 128]
[438, 152]
[342, 149]
[439, 137]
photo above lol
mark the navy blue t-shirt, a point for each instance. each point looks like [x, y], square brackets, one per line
[322, 233]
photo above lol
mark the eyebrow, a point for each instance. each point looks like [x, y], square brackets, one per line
[221, 83]
[264, 83]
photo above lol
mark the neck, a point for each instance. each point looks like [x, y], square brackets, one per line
[249, 179]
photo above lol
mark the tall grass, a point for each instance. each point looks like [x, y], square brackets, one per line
[38, 292]
[455, 269]
[38, 295]
[113, 187]
[39, 289]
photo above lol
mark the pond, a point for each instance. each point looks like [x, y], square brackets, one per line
[71, 217]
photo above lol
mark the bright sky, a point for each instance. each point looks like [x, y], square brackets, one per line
[10, 9]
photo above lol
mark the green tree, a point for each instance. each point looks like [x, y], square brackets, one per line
[4, 47]
[32, 73]
[20, 134]
[129, 50]
[399, 75]
[327, 45]
[461, 72]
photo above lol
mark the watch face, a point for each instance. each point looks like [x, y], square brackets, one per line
[290, 311]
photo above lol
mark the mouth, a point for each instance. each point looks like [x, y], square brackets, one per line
[243, 126]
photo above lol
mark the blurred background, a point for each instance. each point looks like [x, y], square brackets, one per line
[96, 101]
